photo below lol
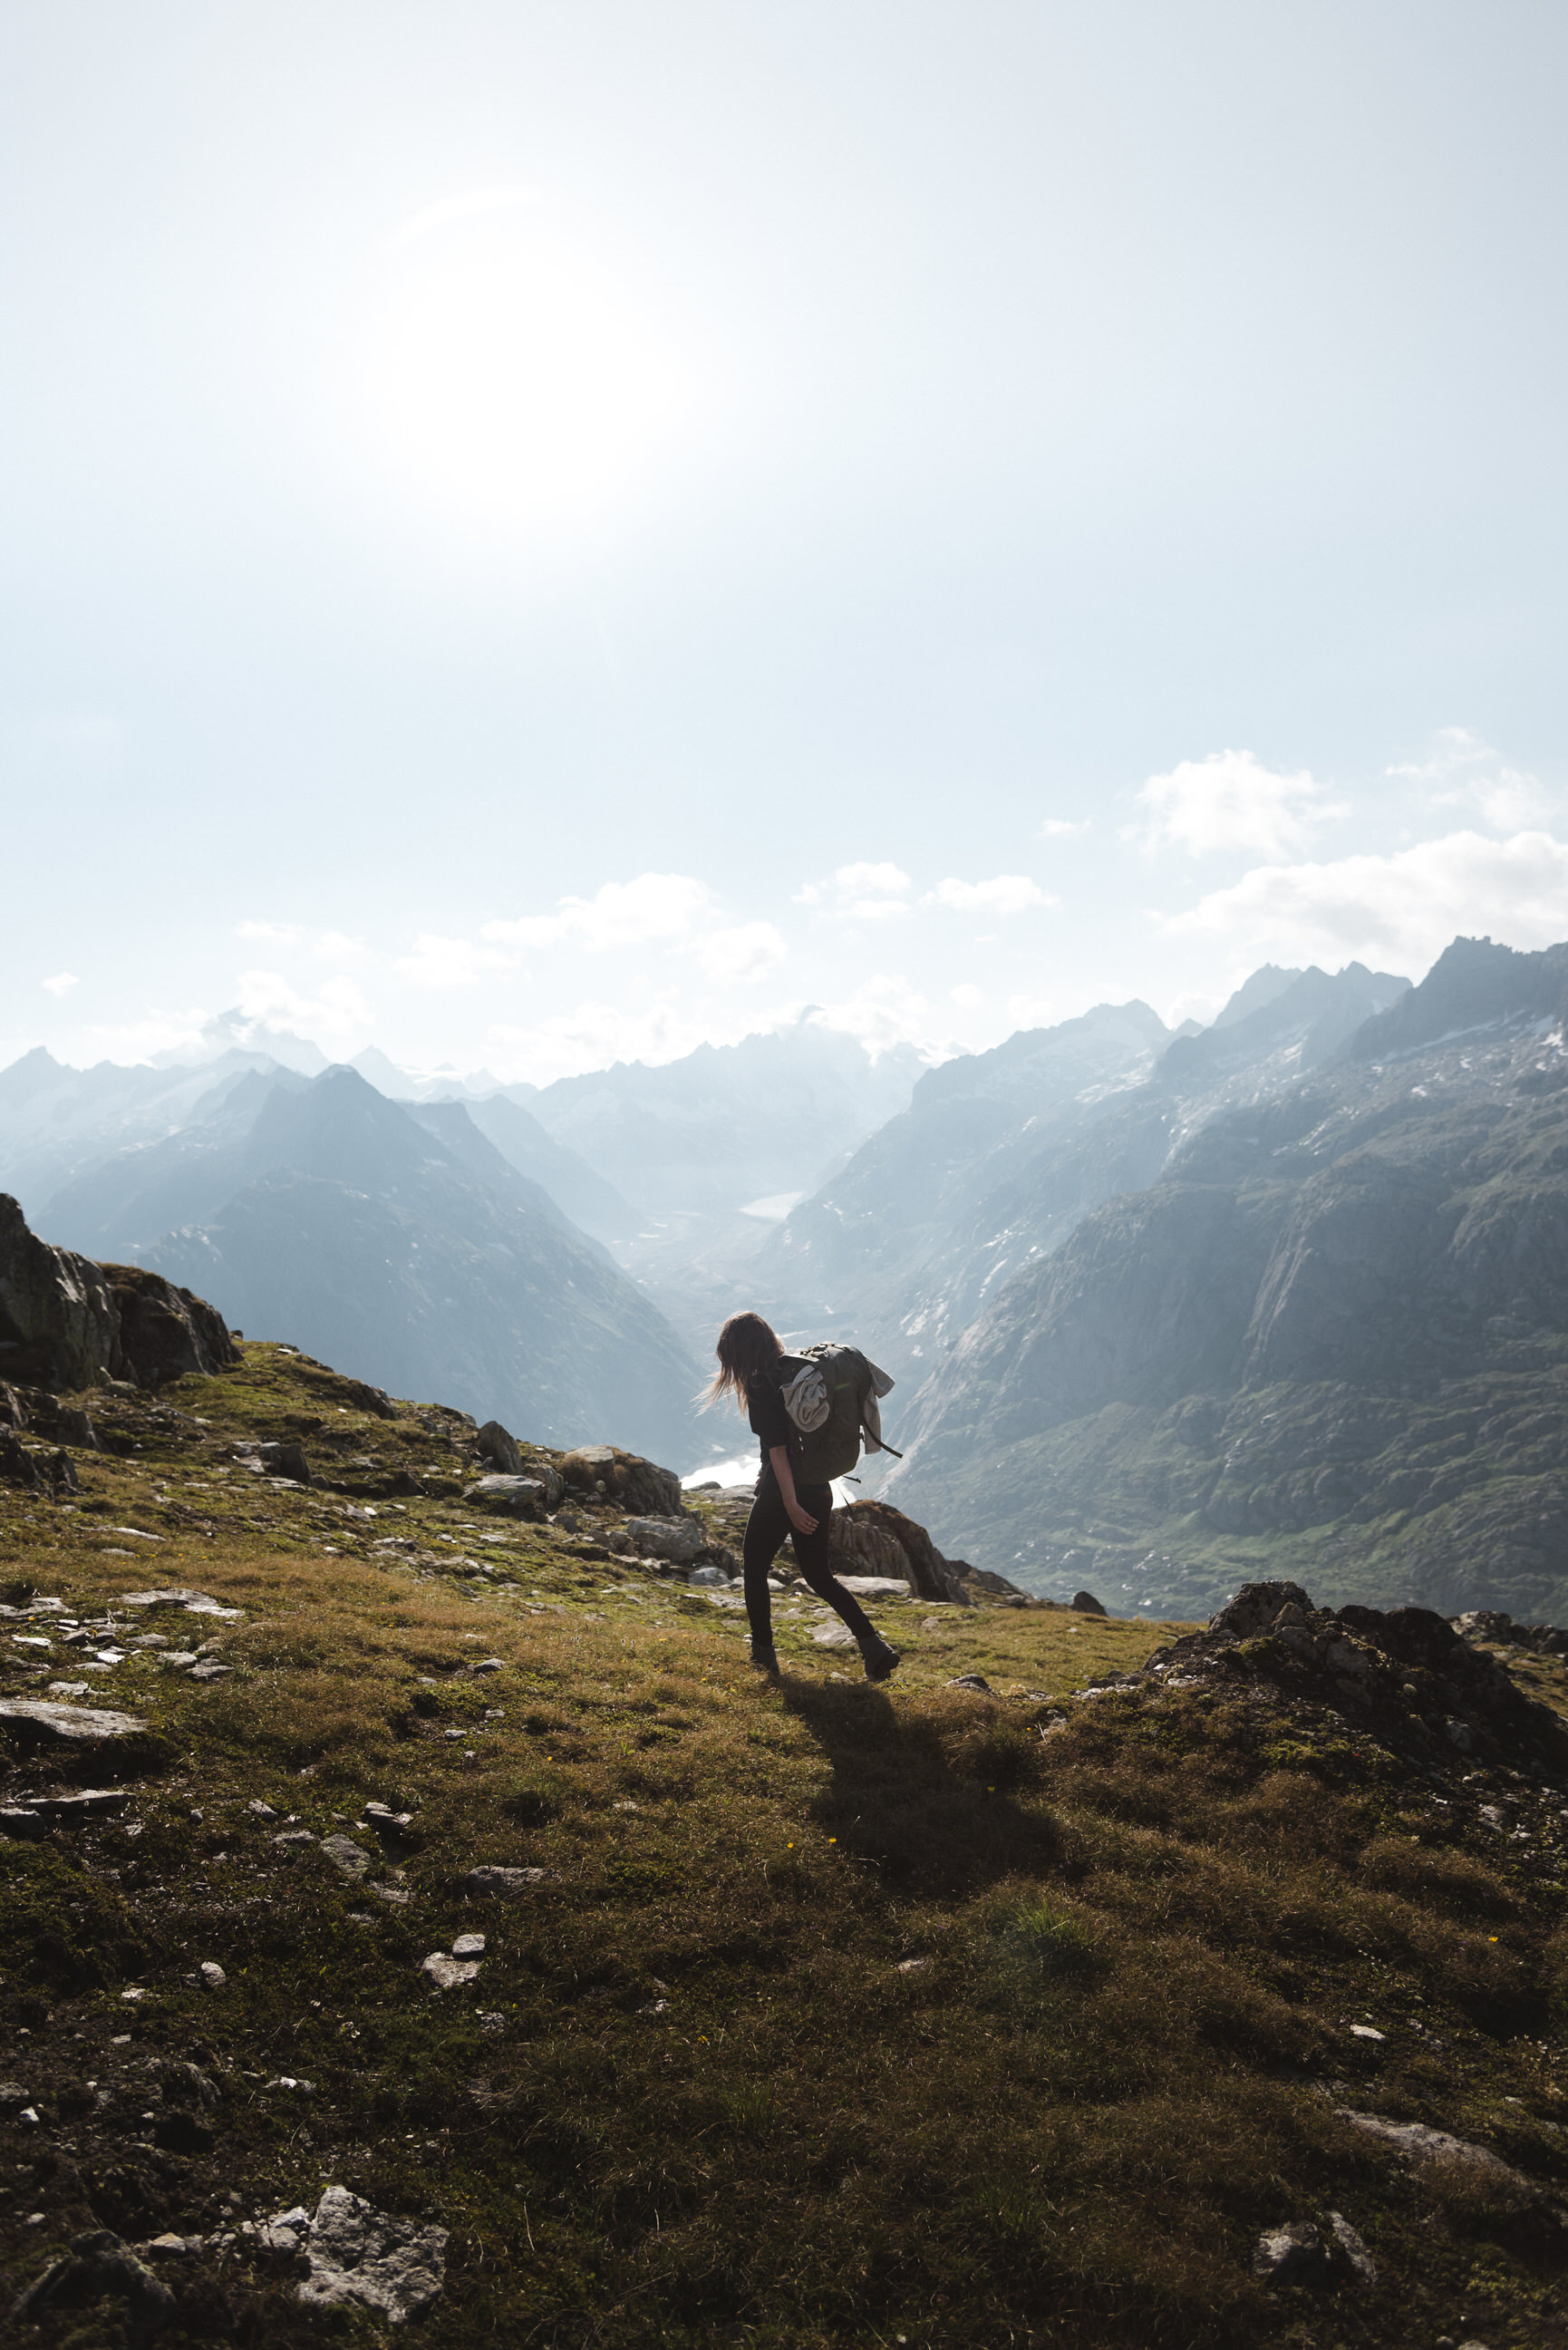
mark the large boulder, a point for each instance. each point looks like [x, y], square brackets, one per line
[633, 1483]
[67, 1322]
[874, 1538]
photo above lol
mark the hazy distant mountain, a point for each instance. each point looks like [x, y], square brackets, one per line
[728, 1123]
[584, 1194]
[55, 1121]
[419, 1259]
[1331, 1340]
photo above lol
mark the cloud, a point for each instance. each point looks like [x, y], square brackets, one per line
[656, 906]
[441, 962]
[1006, 893]
[885, 1010]
[741, 955]
[1230, 802]
[338, 1012]
[1453, 770]
[966, 996]
[268, 934]
[1056, 827]
[328, 946]
[859, 893]
[62, 982]
[1405, 907]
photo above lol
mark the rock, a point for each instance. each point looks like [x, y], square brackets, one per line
[1292, 2255]
[58, 1306]
[510, 1496]
[1254, 1607]
[289, 1461]
[872, 1537]
[212, 1974]
[834, 1636]
[76, 1725]
[292, 2087]
[678, 1539]
[1086, 1603]
[195, 1603]
[707, 1578]
[468, 1946]
[1422, 2144]
[488, 1665]
[13, 2096]
[26, 1825]
[1351, 2248]
[447, 1974]
[875, 1586]
[501, 1883]
[351, 1859]
[164, 1333]
[500, 1449]
[971, 1681]
[89, 1802]
[293, 1838]
[99, 2266]
[363, 2259]
[637, 1485]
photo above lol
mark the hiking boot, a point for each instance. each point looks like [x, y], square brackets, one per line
[764, 1656]
[879, 1658]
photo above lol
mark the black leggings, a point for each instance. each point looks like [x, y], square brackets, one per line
[765, 1530]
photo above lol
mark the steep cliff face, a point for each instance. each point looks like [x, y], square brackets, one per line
[66, 1323]
[1343, 1306]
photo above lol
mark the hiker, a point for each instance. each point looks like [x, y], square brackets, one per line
[753, 1367]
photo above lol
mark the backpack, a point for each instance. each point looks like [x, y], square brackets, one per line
[830, 1393]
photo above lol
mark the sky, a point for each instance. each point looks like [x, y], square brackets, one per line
[535, 534]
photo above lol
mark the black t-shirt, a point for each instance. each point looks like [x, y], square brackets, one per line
[766, 1410]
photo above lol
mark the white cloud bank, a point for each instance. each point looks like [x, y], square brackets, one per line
[655, 907]
[1402, 908]
[1230, 802]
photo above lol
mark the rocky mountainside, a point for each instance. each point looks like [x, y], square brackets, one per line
[1333, 1334]
[399, 1243]
[1001, 1154]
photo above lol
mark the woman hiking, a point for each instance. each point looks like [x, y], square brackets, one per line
[750, 1355]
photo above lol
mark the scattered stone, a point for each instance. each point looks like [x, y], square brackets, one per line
[1367, 2031]
[13, 2096]
[875, 1586]
[971, 1681]
[707, 1578]
[68, 1688]
[396, 1894]
[501, 1883]
[488, 1665]
[1353, 2248]
[1292, 2255]
[344, 1854]
[26, 1825]
[209, 1670]
[500, 1449]
[468, 1946]
[914, 1965]
[194, 1603]
[262, 1811]
[363, 2259]
[295, 2088]
[676, 1539]
[447, 1974]
[99, 2266]
[1424, 2145]
[510, 1497]
[834, 1636]
[293, 1838]
[212, 1974]
[78, 1724]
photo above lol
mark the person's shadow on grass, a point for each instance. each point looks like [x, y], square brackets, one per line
[939, 1801]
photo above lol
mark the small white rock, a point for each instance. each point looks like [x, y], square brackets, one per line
[468, 1946]
[212, 1974]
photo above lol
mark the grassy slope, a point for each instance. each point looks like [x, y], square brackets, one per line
[1143, 1938]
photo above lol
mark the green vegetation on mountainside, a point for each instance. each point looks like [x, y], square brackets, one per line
[838, 2014]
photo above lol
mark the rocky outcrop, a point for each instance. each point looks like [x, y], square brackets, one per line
[66, 1323]
[1403, 1673]
[634, 1484]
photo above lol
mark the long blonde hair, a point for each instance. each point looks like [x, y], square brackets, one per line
[746, 1345]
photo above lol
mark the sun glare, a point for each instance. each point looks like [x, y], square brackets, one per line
[520, 380]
